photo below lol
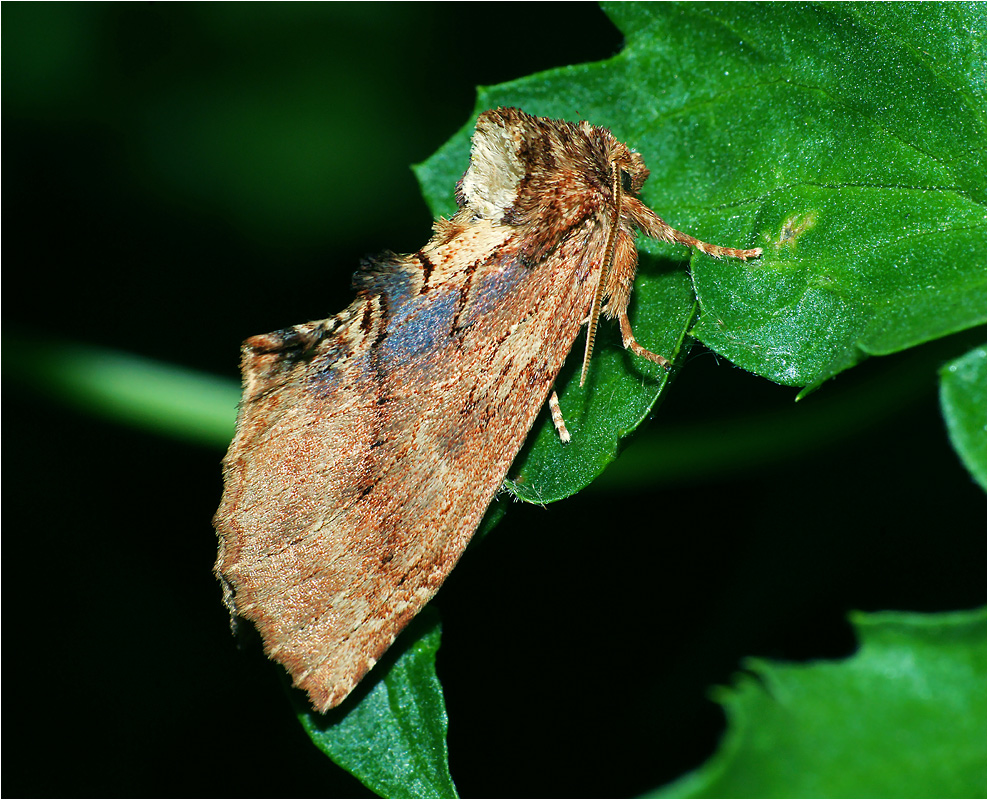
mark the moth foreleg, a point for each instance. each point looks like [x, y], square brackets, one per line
[630, 343]
[557, 418]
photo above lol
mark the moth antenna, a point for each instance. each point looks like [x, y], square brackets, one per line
[598, 295]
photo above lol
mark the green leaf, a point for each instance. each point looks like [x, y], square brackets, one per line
[965, 407]
[391, 734]
[872, 189]
[903, 717]
[847, 140]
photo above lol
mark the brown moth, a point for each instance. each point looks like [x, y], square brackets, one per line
[370, 444]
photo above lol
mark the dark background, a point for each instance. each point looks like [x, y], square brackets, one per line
[178, 177]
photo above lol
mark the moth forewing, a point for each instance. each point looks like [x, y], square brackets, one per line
[369, 445]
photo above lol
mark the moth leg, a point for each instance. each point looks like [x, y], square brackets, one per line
[557, 418]
[630, 343]
[651, 224]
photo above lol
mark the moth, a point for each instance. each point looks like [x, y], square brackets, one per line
[369, 445]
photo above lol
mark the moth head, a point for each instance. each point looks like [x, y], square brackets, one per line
[633, 172]
[490, 184]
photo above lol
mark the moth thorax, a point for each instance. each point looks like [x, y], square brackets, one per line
[490, 184]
